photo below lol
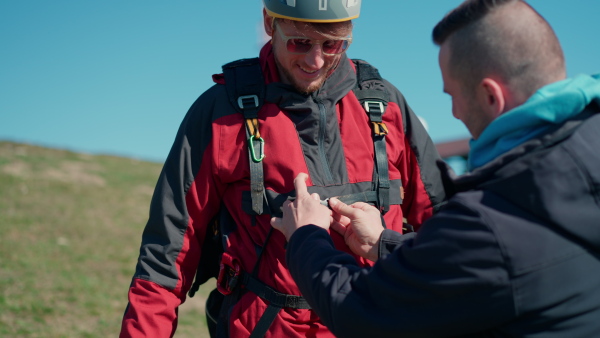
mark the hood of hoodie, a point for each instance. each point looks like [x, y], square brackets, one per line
[553, 177]
[548, 107]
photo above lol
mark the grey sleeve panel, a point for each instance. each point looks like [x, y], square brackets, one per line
[423, 148]
[163, 235]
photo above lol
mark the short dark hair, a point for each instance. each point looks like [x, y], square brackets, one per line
[463, 15]
[506, 38]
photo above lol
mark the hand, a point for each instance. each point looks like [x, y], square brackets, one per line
[360, 224]
[306, 209]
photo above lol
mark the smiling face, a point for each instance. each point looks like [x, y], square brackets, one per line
[306, 72]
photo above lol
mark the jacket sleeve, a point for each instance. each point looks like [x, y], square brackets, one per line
[391, 240]
[185, 199]
[449, 279]
[424, 191]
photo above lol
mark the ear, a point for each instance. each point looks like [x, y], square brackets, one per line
[268, 22]
[492, 97]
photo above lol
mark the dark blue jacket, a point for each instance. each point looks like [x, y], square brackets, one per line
[514, 253]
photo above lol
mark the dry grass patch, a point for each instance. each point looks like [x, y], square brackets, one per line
[70, 229]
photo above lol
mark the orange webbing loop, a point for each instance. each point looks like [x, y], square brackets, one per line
[252, 125]
[379, 128]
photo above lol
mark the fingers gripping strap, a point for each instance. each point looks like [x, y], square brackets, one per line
[348, 193]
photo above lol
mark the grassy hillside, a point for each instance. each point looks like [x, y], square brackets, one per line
[70, 229]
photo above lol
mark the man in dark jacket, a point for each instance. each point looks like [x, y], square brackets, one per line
[516, 251]
[299, 107]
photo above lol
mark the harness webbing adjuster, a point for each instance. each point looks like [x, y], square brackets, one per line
[248, 101]
[374, 107]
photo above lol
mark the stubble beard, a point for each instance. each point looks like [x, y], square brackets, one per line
[287, 76]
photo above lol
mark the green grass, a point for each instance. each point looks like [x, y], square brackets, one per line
[70, 229]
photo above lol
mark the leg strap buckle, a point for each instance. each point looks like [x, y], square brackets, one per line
[229, 274]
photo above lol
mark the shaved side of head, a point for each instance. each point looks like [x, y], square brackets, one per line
[504, 39]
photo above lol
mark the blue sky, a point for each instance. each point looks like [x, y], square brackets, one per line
[117, 76]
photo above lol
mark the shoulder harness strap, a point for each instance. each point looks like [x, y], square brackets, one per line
[375, 101]
[246, 92]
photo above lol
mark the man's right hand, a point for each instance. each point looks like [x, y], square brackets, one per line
[360, 224]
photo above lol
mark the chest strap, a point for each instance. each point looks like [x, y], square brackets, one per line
[246, 92]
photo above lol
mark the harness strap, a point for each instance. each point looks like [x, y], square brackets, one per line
[265, 321]
[233, 281]
[366, 196]
[348, 194]
[277, 301]
[245, 86]
[274, 297]
[246, 92]
[382, 180]
[375, 101]
[257, 185]
[223, 323]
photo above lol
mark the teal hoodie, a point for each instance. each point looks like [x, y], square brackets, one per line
[550, 105]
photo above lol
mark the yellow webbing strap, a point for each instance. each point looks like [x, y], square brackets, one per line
[252, 125]
[379, 128]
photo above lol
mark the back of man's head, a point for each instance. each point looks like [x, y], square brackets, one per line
[506, 39]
